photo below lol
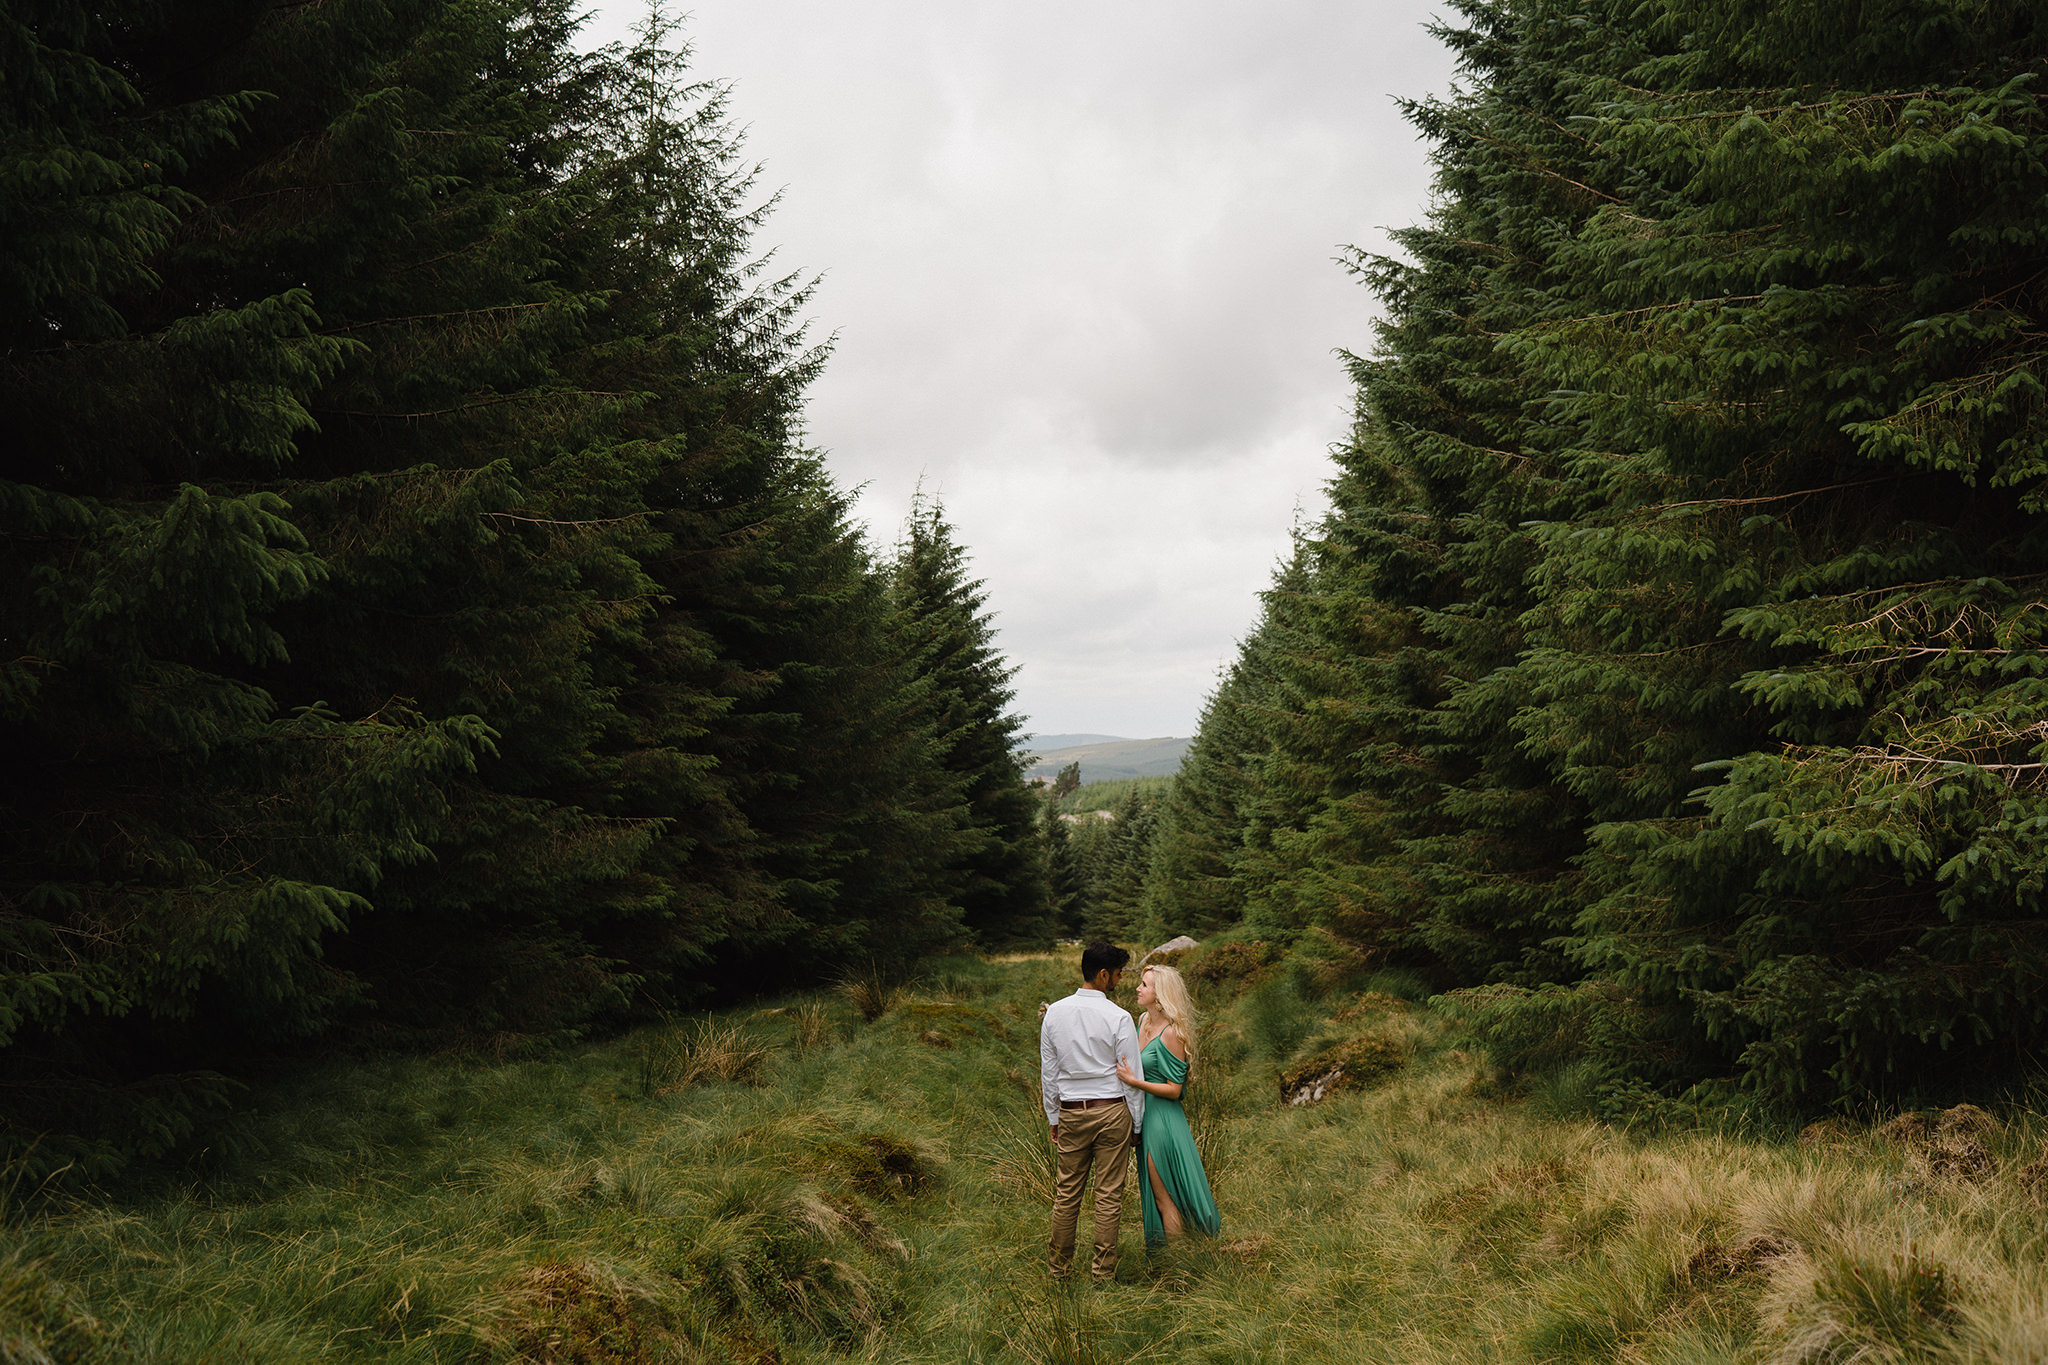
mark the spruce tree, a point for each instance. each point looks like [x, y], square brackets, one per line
[177, 839]
[1065, 890]
[1121, 858]
[1771, 552]
[1193, 885]
[1674, 624]
[1820, 364]
[426, 614]
[1000, 884]
[1443, 843]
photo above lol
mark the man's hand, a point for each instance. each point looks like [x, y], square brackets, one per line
[1055, 1137]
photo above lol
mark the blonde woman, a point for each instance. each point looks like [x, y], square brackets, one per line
[1174, 1188]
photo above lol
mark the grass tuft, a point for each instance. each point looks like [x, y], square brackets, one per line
[42, 1319]
[721, 1052]
[871, 994]
[1901, 1308]
[881, 1166]
[810, 1028]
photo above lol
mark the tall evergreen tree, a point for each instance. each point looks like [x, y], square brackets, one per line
[176, 842]
[1805, 323]
[1117, 860]
[1001, 888]
[1066, 891]
[1444, 843]
[421, 601]
[1675, 621]
[1193, 885]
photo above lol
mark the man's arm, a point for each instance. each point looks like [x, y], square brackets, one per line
[1127, 1052]
[1048, 1073]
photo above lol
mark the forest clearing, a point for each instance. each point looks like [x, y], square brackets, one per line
[794, 1182]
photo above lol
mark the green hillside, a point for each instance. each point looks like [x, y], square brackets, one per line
[1111, 759]
[864, 1175]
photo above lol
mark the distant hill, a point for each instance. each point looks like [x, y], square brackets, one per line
[1045, 744]
[1103, 757]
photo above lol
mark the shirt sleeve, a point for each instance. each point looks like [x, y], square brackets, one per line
[1048, 1070]
[1127, 1049]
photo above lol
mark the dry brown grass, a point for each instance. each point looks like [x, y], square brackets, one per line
[574, 1313]
[810, 1027]
[871, 995]
[721, 1052]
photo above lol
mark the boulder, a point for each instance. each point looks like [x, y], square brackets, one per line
[1168, 953]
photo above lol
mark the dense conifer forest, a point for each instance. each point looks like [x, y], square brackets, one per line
[497, 865]
[425, 625]
[1667, 683]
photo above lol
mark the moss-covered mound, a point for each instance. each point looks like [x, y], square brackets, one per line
[1353, 1064]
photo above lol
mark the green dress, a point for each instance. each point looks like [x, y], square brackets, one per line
[1170, 1148]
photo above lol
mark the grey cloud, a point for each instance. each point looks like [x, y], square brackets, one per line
[1079, 260]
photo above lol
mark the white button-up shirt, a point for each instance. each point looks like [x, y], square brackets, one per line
[1079, 1042]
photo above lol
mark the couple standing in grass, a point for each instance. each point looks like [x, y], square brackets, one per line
[1108, 1085]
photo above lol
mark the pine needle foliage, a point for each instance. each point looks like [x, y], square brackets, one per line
[1673, 644]
[965, 694]
[424, 624]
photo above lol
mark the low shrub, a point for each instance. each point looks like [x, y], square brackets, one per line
[1585, 1036]
[1232, 962]
[1277, 1019]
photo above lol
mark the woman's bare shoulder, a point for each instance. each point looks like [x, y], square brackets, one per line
[1174, 1043]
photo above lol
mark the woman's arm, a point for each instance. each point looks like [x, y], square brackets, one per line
[1165, 1090]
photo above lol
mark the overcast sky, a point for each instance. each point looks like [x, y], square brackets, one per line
[1079, 258]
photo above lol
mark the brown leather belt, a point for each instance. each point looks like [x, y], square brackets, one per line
[1088, 1104]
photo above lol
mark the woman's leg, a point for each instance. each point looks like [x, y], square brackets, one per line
[1168, 1214]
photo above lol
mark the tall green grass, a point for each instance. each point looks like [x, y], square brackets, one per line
[802, 1181]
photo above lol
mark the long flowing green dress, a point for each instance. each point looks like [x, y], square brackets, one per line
[1169, 1146]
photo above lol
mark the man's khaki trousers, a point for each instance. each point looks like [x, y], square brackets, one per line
[1098, 1139]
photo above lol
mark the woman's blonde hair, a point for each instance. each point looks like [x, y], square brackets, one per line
[1171, 993]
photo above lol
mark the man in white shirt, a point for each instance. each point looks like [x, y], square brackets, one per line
[1093, 1115]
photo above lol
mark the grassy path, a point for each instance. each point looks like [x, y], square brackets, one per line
[797, 1184]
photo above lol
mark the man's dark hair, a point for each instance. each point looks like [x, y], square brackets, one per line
[1096, 956]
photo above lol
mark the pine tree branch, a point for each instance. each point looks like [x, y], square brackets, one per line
[552, 521]
[435, 317]
[492, 402]
[1775, 497]
[1774, 110]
